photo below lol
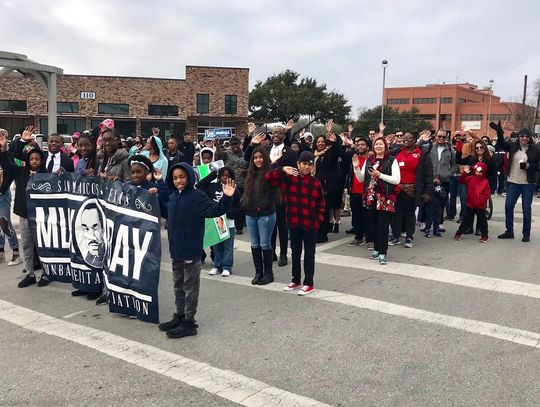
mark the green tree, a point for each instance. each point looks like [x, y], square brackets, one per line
[393, 119]
[285, 96]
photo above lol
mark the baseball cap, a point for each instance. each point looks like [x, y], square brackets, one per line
[306, 157]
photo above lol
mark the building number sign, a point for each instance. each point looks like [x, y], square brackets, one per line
[88, 95]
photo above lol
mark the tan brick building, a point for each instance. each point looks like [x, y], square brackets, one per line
[209, 97]
[456, 106]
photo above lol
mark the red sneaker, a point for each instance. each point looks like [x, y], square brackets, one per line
[291, 287]
[305, 290]
[484, 239]
[457, 236]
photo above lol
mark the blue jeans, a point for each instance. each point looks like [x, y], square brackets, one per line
[260, 230]
[456, 190]
[513, 192]
[5, 212]
[223, 253]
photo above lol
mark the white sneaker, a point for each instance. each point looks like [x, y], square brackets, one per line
[15, 260]
[213, 272]
[225, 273]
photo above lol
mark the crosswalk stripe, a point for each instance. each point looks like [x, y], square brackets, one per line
[514, 335]
[440, 275]
[222, 383]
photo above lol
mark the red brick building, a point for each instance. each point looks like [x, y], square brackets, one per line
[457, 106]
[208, 97]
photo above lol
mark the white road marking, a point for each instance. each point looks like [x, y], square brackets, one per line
[423, 272]
[72, 315]
[514, 335]
[335, 243]
[223, 383]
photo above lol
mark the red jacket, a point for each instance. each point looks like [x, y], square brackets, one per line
[478, 190]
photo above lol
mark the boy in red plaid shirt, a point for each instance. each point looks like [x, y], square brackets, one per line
[305, 212]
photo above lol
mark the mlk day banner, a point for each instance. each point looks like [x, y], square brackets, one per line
[92, 233]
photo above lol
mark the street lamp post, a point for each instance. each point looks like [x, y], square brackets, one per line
[384, 64]
[491, 81]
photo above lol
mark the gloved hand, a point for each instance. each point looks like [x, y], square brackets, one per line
[497, 127]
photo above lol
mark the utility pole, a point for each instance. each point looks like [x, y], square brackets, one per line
[384, 64]
[523, 104]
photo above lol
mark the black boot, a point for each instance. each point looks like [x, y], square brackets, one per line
[173, 323]
[336, 228]
[186, 328]
[256, 253]
[268, 275]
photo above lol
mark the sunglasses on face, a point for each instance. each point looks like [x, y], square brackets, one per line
[441, 136]
[479, 148]
[524, 135]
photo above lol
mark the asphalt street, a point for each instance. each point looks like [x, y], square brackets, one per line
[445, 323]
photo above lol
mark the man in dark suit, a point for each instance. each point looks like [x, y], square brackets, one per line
[281, 156]
[55, 158]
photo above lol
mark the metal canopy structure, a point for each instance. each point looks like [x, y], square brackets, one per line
[45, 75]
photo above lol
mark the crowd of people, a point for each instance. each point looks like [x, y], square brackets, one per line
[289, 189]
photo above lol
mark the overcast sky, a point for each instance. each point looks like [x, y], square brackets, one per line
[340, 43]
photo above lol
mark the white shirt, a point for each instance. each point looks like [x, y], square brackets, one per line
[56, 165]
[276, 151]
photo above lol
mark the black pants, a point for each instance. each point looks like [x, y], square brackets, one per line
[404, 218]
[309, 240]
[322, 233]
[281, 227]
[380, 221]
[481, 221]
[240, 218]
[433, 216]
[360, 219]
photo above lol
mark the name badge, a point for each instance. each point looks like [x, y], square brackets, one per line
[402, 163]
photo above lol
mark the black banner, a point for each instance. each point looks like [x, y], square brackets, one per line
[88, 230]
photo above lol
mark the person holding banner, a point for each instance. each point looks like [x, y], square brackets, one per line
[35, 163]
[114, 165]
[187, 209]
[259, 203]
[87, 150]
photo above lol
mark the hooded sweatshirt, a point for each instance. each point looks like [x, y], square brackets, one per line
[186, 212]
[478, 190]
[162, 162]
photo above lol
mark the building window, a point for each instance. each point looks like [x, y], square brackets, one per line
[13, 105]
[501, 117]
[399, 101]
[113, 108]
[162, 110]
[427, 117]
[63, 125]
[465, 117]
[202, 126]
[230, 104]
[67, 107]
[446, 100]
[423, 101]
[203, 102]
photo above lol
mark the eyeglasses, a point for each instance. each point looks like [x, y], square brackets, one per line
[524, 135]
[441, 136]
[479, 148]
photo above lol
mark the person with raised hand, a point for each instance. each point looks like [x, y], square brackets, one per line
[187, 209]
[304, 196]
[523, 160]
[380, 175]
